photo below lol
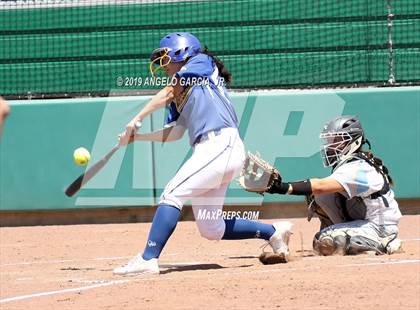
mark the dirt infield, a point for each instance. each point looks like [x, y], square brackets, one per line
[70, 267]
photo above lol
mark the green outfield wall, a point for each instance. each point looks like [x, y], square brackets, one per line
[40, 135]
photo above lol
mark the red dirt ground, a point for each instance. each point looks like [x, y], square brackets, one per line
[197, 273]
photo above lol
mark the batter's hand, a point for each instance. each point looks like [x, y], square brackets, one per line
[133, 126]
[127, 136]
[124, 139]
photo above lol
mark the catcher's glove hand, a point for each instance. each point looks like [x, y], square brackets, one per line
[257, 175]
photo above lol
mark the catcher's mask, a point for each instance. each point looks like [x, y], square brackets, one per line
[174, 47]
[343, 136]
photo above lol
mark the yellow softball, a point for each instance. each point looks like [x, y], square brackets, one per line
[81, 156]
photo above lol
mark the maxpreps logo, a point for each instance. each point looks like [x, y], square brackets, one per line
[213, 215]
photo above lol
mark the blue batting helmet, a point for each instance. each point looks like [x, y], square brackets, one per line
[175, 47]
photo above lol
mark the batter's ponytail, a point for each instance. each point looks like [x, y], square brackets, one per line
[224, 73]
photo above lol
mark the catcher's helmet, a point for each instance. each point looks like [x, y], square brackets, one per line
[343, 136]
[174, 47]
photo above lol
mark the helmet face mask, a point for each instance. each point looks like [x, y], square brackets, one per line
[343, 136]
[338, 146]
[159, 59]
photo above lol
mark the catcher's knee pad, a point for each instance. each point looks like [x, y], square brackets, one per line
[325, 244]
[212, 229]
[360, 244]
[344, 242]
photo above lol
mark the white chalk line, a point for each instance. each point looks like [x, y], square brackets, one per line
[69, 290]
[395, 262]
[103, 283]
[96, 284]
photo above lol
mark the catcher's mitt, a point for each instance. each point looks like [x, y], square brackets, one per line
[257, 175]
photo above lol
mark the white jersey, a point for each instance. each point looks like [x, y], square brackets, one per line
[359, 178]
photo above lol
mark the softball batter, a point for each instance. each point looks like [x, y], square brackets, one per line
[197, 102]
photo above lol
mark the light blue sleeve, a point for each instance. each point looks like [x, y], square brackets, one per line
[358, 178]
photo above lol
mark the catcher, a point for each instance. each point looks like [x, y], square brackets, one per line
[355, 204]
